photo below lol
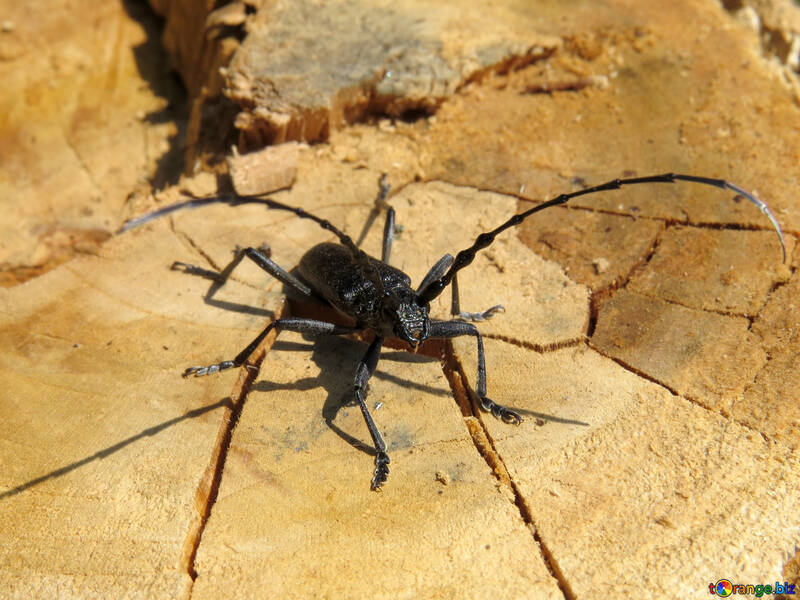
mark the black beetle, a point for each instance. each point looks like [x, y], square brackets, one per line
[379, 297]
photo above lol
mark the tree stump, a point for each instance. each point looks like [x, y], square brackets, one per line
[650, 335]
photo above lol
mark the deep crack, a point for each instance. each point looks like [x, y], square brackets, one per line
[601, 296]
[208, 487]
[539, 348]
[485, 445]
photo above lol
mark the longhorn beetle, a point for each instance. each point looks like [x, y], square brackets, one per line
[380, 298]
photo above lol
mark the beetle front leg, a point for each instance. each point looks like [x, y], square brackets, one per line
[364, 371]
[436, 272]
[451, 329]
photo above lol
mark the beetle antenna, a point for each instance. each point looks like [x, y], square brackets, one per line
[231, 200]
[466, 256]
[237, 201]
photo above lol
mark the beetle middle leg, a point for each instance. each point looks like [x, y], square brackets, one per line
[219, 278]
[455, 307]
[439, 269]
[258, 256]
[290, 324]
[451, 329]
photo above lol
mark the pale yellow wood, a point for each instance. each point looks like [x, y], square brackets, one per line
[120, 479]
[106, 452]
[295, 515]
[630, 486]
[85, 126]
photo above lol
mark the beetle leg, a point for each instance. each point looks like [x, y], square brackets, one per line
[266, 263]
[258, 256]
[388, 236]
[219, 277]
[455, 307]
[195, 270]
[290, 324]
[364, 371]
[451, 329]
[435, 272]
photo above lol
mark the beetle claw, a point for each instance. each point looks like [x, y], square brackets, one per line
[209, 370]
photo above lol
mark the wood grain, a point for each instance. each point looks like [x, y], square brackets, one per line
[649, 339]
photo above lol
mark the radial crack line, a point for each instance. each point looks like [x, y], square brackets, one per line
[486, 447]
[208, 487]
[539, 348]
[187, 239]
[676, 393]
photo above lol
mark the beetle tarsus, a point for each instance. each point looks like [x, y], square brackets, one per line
[210, 369]
[505, 414]
[481, 316]
[194, 270]
[381, 470]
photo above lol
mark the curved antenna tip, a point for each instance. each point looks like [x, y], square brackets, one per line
[762, 206]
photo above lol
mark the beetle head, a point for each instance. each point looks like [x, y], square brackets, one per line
[409, 320]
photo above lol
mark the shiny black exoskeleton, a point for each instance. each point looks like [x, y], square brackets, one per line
[330, 271]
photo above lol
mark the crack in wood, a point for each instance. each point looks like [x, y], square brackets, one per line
[83, 164]
[538, 348]
[485, 445]
[208, 487]
[601, 296]
[187, 240]
[547, 87]
[723, 313]
[687, 397]
[776, 285]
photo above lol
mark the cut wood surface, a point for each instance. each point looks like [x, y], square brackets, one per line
[650, 341]
[87, 122]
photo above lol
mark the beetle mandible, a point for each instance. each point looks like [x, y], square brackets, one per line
[379, 297]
